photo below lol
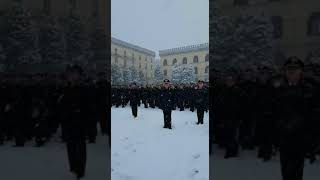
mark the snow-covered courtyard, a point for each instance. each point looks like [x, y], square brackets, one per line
[143, 150]
[50, 162]
[249, 167]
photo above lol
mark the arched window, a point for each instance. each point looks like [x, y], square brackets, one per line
[174, 61]
[165, 72]
[47, 7]
[206, 70]
[195, 59]
[115, 51]
[125, 54]
[185, 60]
[165, 63]
[314, 24]
[195, 70]
[207, 58]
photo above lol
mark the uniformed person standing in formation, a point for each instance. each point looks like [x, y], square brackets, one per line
[134, 99]
[294, 105]
[227, 114]
[166, 103]
[74, 122]
[201, 101]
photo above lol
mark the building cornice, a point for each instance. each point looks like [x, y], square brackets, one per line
[132, 46]
[184, 49]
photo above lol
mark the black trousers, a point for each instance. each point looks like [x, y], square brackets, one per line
[230, 137]
[292, 163]
[77, 155]
[134, 109]
[102, 119]
[167, 118]
[200, 114]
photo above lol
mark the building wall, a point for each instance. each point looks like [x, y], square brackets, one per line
[201, 65]
[92, 12]
[295, 16]
[141, 61]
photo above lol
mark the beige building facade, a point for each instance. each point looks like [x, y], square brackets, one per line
[197, 55]
[126, 55]
[296, 23]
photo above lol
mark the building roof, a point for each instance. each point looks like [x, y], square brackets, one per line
[184, 49]
[132, 46]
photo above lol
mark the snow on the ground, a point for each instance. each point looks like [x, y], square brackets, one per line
[50, 162]
[143, 150]
[247, 166]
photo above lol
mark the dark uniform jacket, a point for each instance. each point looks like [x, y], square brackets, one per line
[74, 107]
[166, 99]
[201, 98]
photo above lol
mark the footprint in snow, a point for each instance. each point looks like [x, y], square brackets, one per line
[194, 173]
[196, 156]
[128, 146]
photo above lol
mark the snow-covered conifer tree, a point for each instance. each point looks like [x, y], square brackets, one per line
[22, 41]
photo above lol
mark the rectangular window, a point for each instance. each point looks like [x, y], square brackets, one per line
[277, 22]
[240, 2]
[95, 8]
[314, 25]
[73, 4]
[47, 7]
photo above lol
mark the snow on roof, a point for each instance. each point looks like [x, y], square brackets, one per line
[184, 49]
[132, 46]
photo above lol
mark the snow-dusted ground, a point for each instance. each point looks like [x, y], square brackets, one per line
[50, 162]
[142, 150]
[248, 167]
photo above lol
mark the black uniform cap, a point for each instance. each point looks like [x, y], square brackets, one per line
[74, 68]
[200, 81]
[294, 63]
[166, 81]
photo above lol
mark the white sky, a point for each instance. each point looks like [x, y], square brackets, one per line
[160, 24]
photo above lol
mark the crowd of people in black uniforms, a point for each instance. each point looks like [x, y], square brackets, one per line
[34, 106]
[166, 96]
[268, 112]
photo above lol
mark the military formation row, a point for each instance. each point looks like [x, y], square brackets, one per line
[33, 108]
[270, 114]
[184, 96]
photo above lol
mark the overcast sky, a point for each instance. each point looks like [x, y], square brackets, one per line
[160, 24]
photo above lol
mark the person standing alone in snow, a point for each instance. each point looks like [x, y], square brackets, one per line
[166, 103]
[134, 99]
[201, 101]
